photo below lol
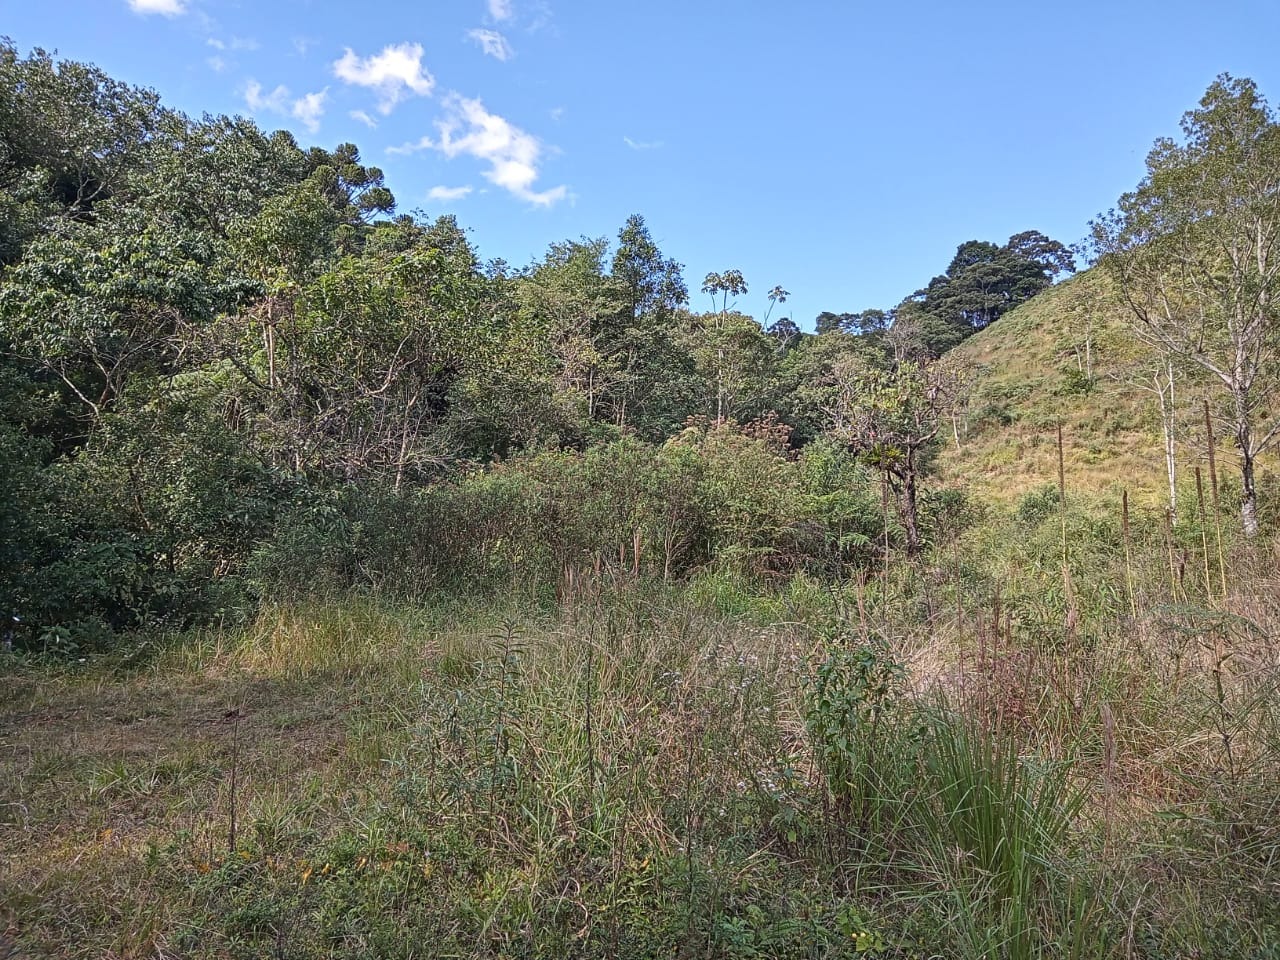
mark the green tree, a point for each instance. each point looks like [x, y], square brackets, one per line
[717, 333]
[656, 384]
[982, 283]
[776, 296]
[806, 381]
[653, 285]
[735, 358]
[1195, 252]
[786, 332]
[891, 418]
[97, 302]
[579, 309]
[70, 137]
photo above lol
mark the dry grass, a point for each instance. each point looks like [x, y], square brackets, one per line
[1023, 389]
[636, 775]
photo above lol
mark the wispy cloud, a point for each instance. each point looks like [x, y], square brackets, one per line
[258, 101]
[492, 43]
[512, 154]
[448, 193]
[216, 64]
[395, 73]
[309, 108]
[501, 10]
[166, 8]
[364, 118]
[642, 144]
[235, 43]
[413, 146]
[306, 109]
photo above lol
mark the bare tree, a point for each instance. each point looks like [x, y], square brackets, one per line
[1195, 250]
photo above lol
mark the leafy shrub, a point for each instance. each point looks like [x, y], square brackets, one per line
[713, 497]
[859, 721]
[1076, 383]
[151, 523]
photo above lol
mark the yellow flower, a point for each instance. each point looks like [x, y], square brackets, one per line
[306, 875]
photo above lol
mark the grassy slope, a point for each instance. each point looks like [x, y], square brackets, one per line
[1022, 390]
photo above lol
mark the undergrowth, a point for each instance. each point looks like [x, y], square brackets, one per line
[940, 761]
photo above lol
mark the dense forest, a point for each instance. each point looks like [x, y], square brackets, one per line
[221, 350]
[583, 608]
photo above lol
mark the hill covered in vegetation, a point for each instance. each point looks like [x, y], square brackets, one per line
[1067, 357]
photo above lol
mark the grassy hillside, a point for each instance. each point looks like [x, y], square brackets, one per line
[1028, 378]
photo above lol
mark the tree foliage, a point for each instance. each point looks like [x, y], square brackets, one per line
[1195, 251]
[224, 358]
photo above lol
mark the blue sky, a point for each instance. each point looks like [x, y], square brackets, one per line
[841, 150]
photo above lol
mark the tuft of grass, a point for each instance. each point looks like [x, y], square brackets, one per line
[998, 822]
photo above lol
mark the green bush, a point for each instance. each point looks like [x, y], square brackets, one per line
[714, 497]
[151, 523]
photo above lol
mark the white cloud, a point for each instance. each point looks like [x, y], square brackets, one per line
[492, 43]
[642, 144]
[364, 118]
[413, 147]
[395, 73]
[448, 193]
[216, 64]
[235, 43]
[256, 100]
[512, 154]
[501, 9]
[306, 109]
[166, 8]
[310, 108]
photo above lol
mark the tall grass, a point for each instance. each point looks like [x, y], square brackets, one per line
[714, 768]
[996, 823]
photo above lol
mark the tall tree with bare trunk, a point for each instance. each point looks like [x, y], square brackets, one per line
[1195, 249]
